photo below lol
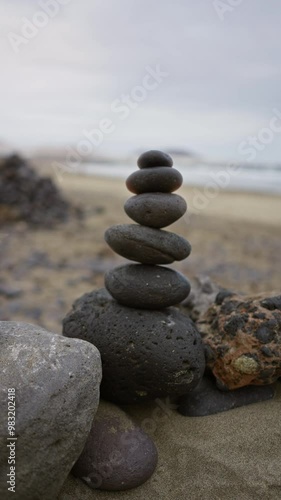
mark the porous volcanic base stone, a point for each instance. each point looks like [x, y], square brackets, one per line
[145, 354]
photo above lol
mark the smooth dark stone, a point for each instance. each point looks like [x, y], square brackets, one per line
[118, 455]
[155, 209]
[154, 158]
[157, 179]
[207, 399]
[145, 354]
[146, 244]
[146, 287]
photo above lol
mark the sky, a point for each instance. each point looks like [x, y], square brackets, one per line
[200, 75]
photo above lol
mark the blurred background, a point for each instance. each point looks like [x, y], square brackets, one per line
[86, 87]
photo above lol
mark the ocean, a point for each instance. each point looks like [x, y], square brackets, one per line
[250, 178]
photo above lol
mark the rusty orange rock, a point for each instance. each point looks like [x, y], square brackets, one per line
[242, 337]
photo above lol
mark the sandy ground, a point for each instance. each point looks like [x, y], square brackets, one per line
[236, 240]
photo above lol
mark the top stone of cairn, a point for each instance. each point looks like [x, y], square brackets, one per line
[154, 158]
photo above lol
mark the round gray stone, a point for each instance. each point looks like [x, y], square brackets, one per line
[154, 158]
[146, 244]
[118, 454]
[146, 287]
[157, 179]
[155, 209]
[145, 354]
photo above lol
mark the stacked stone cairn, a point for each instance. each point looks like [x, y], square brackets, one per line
[149, 349]
[148, 285]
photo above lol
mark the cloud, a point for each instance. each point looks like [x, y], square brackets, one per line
[224, 77]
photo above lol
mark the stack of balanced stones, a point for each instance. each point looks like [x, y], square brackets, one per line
[149, 349]
[148, 285]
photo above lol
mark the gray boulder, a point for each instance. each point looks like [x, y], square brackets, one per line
[56, 382]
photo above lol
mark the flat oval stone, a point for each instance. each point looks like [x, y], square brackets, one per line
[207, 399]
[146, 287]
[154, 158]
[157, 179]
[146, 244]
[145, 354]
[118, 455]
[155, 209]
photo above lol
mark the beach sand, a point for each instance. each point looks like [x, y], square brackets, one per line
[236, 240]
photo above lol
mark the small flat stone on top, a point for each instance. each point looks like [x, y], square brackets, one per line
[154, 158]
[156, 179]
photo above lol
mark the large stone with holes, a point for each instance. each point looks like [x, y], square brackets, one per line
[145, 354]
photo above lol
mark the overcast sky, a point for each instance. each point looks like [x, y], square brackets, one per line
[222, 74]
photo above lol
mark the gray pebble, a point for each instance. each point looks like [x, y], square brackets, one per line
[155, 209]
[146, 287]
[146, 244]
[157, 179]
[154, 158]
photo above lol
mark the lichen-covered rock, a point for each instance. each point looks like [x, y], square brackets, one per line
[118, 455]
[242, 337]
[145, 354]
[56, 387]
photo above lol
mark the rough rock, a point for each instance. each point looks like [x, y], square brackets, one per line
[156, 179]
[145, 354]
[146, 287]
[155, 209]
[242, 337]
[154, 158]
[56, 382]
[202, 295]
[146, 244]
[25, 196]
[207, 399]
[118, 455]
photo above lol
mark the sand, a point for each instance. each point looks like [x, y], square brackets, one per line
[236, 240]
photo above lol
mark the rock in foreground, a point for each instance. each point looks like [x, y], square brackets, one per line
[56, 382]
[145, 354]
[118, 455]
